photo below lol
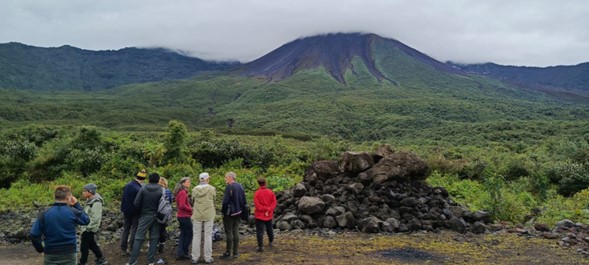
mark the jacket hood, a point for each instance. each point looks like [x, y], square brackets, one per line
[201, 190]
[95, 197]
[153, 187]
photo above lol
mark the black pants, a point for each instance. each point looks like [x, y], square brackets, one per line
[163, 233]
[185, 237]
[231, 224]
[130, 226]
[260, 225]
[89, 243]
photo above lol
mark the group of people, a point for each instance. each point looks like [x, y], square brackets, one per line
[54, 231]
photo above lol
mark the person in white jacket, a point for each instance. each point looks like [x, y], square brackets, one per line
[203, 214]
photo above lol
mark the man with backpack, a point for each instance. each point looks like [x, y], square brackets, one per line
[147, 201]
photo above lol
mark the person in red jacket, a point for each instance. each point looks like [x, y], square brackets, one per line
[184, 214]
[265, 202]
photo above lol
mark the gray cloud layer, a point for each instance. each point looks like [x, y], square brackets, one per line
[524, 32]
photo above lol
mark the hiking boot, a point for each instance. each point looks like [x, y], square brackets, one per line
[235, 255]
[209, 261]
[260, 249]
[125, 252]
[270, 244]
[225, 255]
[183, 258]
[101, 261]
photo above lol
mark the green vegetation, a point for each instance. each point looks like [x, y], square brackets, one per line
[494, 147]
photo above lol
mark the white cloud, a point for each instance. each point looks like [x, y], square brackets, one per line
[528, 32]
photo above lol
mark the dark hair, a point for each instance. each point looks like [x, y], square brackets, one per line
[154, 178]
[261, 181]
[61, 192]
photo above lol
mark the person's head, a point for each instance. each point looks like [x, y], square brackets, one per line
[183, 184]
[141, 175]
[204, 177]
[262, 182]
[62, 193]
[163, 182]
[154, 178]
[89, 190]
[230, 177]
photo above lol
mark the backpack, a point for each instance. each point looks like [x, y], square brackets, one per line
[164, 209]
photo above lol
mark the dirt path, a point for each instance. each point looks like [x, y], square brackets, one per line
[353, 248]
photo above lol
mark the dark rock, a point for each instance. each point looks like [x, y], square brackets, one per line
[414, 224]
[566, 223]
[482, 216]
[355, 162]
[325, 169]
[283, 225]
[409, 202]
[346, 220]
[479, 228]
[329, 222]
[355, 188]
[457, 225]
[542, 227]
[297, 224]
[328, 199]
[310, 205]
[382, 152]
[299, 190]
[400, 166]
[288, 217]
[370, 225]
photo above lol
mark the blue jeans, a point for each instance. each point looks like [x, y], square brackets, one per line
[185, 237]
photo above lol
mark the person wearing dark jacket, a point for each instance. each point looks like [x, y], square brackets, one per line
[130, 212]
[265, 202]
[147, 201]
[54, 231]
[233, 204]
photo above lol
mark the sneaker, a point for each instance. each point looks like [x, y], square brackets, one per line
[209, 261]
[260, 249]
[193, 261]
[235, 255]
[225, 255]
[101, 261]
[270, 244]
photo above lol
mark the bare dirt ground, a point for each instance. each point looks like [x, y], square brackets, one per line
[355, 248]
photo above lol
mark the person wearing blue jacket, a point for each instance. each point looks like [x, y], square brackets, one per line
[130, 212]
[54, 231]
[233, 204]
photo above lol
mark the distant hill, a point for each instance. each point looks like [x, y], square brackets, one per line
[573, 78]
[70, 68]
[340, 54]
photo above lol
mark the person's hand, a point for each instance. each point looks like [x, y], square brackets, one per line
[73, 200]
[266, 213]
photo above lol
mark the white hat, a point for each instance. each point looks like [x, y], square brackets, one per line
[203, 176]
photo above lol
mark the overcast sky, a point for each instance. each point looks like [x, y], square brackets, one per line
[514, 32]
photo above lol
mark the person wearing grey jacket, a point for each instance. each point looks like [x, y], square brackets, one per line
[147, 201]
[94, 210]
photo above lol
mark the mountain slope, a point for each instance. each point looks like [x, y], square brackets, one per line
[69, 68]
[336, 54]
[573, 78]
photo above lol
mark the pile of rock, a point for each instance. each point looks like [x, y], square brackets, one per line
[380, 192]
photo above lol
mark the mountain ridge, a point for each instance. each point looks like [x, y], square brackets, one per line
[70, 68]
